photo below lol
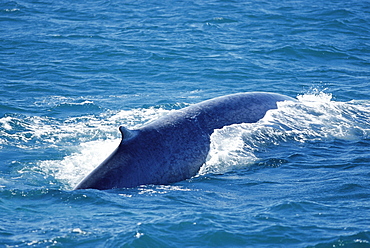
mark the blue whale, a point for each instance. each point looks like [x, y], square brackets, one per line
[174, 147]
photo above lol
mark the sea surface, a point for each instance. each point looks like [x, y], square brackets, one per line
[72, 72]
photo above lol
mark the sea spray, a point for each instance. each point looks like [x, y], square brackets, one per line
[314, 117]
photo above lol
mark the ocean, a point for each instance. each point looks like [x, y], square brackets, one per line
[72, 72]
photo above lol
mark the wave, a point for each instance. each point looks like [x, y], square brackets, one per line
[85, 141]
[360, 239]
[104, 138]
[315, 117]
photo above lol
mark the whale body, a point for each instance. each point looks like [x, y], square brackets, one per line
[175, 146]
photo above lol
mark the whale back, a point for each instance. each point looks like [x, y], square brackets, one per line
[174, 147]
[223, 111]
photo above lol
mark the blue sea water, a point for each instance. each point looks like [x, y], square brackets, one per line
[72, 72]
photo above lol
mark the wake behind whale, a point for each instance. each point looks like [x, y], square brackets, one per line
[174, 147]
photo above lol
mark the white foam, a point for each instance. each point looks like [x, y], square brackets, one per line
[314, 117]
[73, 168]
[98, 137]
[228, 150]
[5, 122]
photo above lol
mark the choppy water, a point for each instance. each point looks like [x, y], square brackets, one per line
[73, 71]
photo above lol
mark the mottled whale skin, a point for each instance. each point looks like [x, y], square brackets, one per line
[174, 147]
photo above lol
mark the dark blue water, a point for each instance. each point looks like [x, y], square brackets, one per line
[72, 72]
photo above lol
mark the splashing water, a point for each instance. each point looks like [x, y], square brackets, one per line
[314, 117]
[89, 154]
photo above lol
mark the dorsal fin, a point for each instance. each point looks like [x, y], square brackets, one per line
[126, 133]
